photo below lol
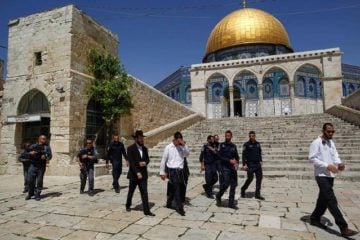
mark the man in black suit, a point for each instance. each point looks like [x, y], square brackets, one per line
[138, 158]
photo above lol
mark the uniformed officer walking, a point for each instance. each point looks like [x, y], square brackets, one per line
[229, 157]
[218, 161]
[208, 160]
[87, 158]
[252, 163]
[40, 154]
[115, 152]
[24, 158]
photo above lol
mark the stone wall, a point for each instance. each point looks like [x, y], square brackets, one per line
[152, 109]
[352, 101]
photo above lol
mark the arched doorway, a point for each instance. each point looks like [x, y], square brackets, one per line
[34, 104]
[245, 94]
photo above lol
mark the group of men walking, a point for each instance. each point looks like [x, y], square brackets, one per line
[219, 160]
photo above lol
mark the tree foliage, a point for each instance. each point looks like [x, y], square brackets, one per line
[111, 85]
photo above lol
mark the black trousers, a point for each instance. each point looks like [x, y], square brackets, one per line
[26, 167]
[257, 170]
[36, 178]
[211, 176]
[142, 184]
[84, 174]
[327, 200]
[176, 187]
[116, 172]
[229, 178]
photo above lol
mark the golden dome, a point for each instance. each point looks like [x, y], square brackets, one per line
[247, 26]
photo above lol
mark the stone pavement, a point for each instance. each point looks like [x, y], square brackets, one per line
[65, 214]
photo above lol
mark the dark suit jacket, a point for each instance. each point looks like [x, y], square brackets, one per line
[134, 159]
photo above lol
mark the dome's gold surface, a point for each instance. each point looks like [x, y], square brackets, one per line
[247, 26]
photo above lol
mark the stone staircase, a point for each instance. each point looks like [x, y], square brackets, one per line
[285, 143]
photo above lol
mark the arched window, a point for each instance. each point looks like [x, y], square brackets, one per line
[251, 89]
[307, 77]
[276, 74]
[268, 91]
[284, 89]
[312, 91]
[33, 102]
[300, 87]
[247, 84]
[215, 87]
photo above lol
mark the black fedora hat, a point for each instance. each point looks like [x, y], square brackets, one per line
[138, 133]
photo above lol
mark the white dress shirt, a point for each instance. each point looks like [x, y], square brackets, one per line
[173, 157]
[322, 153]
[140, 150]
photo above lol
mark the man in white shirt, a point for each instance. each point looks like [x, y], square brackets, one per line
[327, 163]
[172, 167]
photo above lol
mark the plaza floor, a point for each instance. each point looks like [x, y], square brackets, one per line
[64, 214]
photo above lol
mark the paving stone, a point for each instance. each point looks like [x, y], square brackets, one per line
[149, 221]
[136, 229]
[57, 220]
[269, 221]
[200, 234]
[20, 228]
[237, 236]
[182, 223]
[50, 232]
[165, 232]
[124, 236]
[80, 234]
[101, 225]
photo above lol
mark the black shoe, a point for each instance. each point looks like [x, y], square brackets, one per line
[218, 200]
[233, 207]
[91, 193]
[210, 195]
[169, 206]
[181, 212]
[242, 194]
[117, 190]
[81, 191]
[259, 197]
[149, 214]
[318, 224]
[204, 187]
[25, 191]
[28, 197]
[128, 209]
[348, 232]
[37, 198]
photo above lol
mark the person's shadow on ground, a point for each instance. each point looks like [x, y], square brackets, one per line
[139, 207]
[326, 222]
[51, 194]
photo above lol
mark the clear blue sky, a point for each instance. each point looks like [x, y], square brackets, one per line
[158, 36]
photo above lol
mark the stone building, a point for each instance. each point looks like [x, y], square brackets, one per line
[46, 88]
[250, 69]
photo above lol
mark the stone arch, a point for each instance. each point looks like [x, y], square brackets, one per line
[34, 106]
[276, 74]
[309, 65]
[242, 79]
[303, 75]
[272, 68]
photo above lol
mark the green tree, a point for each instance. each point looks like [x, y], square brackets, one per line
[110, 88]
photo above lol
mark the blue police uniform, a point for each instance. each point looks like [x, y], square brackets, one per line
[115, 152]
[37, 168]
[227, 152]
[251, 156]
[24, 158]
[209, 158]
[87, 168]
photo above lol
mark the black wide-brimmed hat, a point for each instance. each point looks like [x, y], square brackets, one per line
[138, 133]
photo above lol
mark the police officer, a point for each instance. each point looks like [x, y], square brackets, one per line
[87, 158]
[218, 161]
[115, 152]
[24, 158]
[252, 163]
[208, 160]
[229, 157]
[40, 154]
